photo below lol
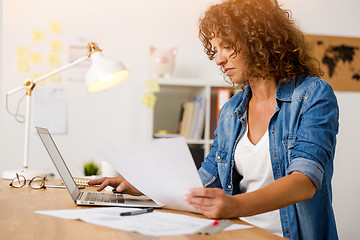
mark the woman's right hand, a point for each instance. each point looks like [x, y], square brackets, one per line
[119, 183]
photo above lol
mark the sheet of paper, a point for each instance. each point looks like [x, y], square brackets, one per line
[153, 224]
[38, 35]
[77, 47]
[55, 27]
[149, 100]
[164, 169]
[56, 46]
[22, 52]
[49, 108]
[22, 65]
[36, 58]
[152, 86]
[37, 75]
[53, 60]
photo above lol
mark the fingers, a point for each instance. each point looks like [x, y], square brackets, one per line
[96, 181]
[106, 182]
[207, 201]
[205, 192]
[127, 188]
[119, 183]
[201, 196]
[121, 187]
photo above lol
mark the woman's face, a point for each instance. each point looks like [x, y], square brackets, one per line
[231, 63]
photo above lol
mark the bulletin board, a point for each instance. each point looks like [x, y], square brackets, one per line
[340, 60]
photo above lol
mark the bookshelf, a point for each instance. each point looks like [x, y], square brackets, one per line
[174, 92]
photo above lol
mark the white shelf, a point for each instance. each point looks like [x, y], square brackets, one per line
[174, 92]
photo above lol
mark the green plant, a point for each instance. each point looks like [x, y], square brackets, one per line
[91, 168]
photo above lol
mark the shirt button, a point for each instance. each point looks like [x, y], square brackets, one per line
[274, 154]
[272, 131]
[286, 231]
[229, 186]
[218, 157]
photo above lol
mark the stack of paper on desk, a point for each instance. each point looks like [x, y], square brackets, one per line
[154, 224]
[163, 169]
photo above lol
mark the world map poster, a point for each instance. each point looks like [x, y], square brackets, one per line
[340, 60]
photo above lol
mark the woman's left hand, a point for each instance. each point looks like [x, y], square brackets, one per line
[212, 202]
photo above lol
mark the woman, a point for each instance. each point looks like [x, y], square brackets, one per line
[271, 162]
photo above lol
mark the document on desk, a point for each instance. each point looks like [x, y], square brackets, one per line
[163, 169]
[153, 224]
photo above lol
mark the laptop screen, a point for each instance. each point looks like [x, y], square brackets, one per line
[58, 162]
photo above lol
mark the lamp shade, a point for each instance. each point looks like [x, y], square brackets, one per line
[104, 73]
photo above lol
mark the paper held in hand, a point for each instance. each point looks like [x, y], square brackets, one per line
[163, 169]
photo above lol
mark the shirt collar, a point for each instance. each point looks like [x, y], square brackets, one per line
[284, 92]
[285, 89]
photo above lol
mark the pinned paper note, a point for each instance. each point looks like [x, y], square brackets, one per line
[152, 86]
[54, 78]
[77, 49]
[38, 35]
[148, 100]
[37, 75]
[53, 60]
[22, 52]
[36, 58]
[22, 66]
[56, 46]
[50, 109]
[55, 27]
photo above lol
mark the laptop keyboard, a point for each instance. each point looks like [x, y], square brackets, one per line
[104, 197]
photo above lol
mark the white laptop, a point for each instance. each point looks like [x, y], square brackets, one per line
[88, 198]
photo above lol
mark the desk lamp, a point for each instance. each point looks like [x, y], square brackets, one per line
[103, 74]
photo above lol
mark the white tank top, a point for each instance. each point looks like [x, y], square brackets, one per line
[254, 164]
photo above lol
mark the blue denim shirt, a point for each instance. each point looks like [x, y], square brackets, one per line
[302, 136]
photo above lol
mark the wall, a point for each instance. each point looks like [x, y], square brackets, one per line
[125, 30]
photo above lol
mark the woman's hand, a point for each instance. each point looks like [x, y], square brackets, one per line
[213, 202]
[119, 183]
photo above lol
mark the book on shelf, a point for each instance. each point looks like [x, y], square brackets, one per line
[192, 115]
[219, 96]
[197, 127]
[186, 119]
[181, 117]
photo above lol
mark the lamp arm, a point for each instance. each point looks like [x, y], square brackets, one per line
[60, 69]
[28, 86]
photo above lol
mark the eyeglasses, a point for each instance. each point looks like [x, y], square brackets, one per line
[37, 182]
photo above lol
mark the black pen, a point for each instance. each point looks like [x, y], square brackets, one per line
[137, 212]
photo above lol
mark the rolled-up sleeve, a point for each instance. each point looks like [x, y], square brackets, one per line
[209, 170]
[316, 136]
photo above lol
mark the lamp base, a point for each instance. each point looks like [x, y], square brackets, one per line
[26, 172]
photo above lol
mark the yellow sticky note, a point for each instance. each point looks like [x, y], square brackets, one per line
[38, 35]
[36, 58]
[37, 75]
[148, 100]
[54, 78]
[22, 66]
[152, 86]
[55, 27]
[22, 52]
[53, 60]
[56, 46]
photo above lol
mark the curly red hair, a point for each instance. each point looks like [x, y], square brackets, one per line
[272, 45]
